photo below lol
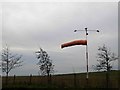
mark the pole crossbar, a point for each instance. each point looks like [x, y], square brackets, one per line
[87, 30]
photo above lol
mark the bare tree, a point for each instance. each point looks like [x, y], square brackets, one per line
[9, 61]
[45, 63]
[105, 59]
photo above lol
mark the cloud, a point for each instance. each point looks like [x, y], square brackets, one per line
[28, 26]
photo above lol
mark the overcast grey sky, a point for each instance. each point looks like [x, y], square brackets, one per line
[28, 26]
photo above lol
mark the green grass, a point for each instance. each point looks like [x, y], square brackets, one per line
[96, 80]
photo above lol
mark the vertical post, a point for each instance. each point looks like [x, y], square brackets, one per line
[75, 80]
[50, 79]
[86, 57]
[106, 79]
[14, 79]
[30, 78]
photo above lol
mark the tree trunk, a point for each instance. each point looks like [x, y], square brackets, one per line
[7, 68]
[107, 73]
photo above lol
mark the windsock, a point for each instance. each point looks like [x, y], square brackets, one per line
[75, 42]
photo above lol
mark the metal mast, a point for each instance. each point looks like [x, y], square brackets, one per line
[86, 33]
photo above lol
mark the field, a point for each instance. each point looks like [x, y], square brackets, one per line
[78, 81]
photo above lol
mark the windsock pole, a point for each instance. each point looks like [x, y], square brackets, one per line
[87, 76]
[86, 31]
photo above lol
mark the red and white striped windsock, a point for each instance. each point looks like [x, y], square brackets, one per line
[75, 42]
